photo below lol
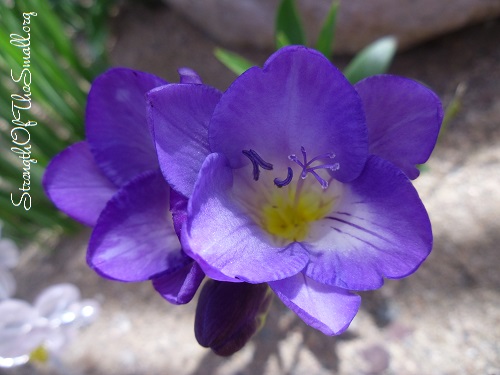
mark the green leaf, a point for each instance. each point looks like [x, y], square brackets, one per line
[288, 23]
[282, 40]
[453, 108]
[234, 62]
[324, 44]
[59, 91]
[374, 59]
[423, 168]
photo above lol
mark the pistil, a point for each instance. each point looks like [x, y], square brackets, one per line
[305, 165]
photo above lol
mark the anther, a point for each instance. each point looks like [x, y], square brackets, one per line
[256, 162]
[260, 161]
[280, 183]
[256, 171]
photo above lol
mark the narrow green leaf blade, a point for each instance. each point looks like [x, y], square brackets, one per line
[234, 62]
[282, 40]
[324, 44]
[453, 108]
[374, 59]
[288, 23]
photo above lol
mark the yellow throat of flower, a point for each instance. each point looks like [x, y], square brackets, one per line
[288, 215]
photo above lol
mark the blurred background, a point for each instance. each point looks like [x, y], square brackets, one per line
[444, 319]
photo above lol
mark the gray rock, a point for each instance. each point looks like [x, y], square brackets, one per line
[251, 22]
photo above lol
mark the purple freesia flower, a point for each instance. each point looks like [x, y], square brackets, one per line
[298, 179]
[112, 182]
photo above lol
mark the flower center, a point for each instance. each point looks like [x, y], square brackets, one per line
[287, 210]
[289, 213]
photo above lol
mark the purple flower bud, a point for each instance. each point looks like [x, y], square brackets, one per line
[229, 314]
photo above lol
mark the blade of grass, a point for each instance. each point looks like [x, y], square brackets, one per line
[42, 89]
[324, 44]
[31, 215]
[60, 79]
[288, 23]
[234, 62]
[374, 59]
[52, 29]
[282, 40]
[453, 108]
[52, 69]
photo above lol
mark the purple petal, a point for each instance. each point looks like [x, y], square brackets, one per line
[179, 116]
[327, 308]
[178, 208]
[298, 99]
[76, 185]
[188, 75]
[116, 124]
[403, 119]
[180, 286]
[229, 314]
[378, 228]
[225, 241]
[134, 239]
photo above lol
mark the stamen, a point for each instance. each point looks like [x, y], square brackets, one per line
[280, 183]
[256, 171]
[256, 162]
[261, 162]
